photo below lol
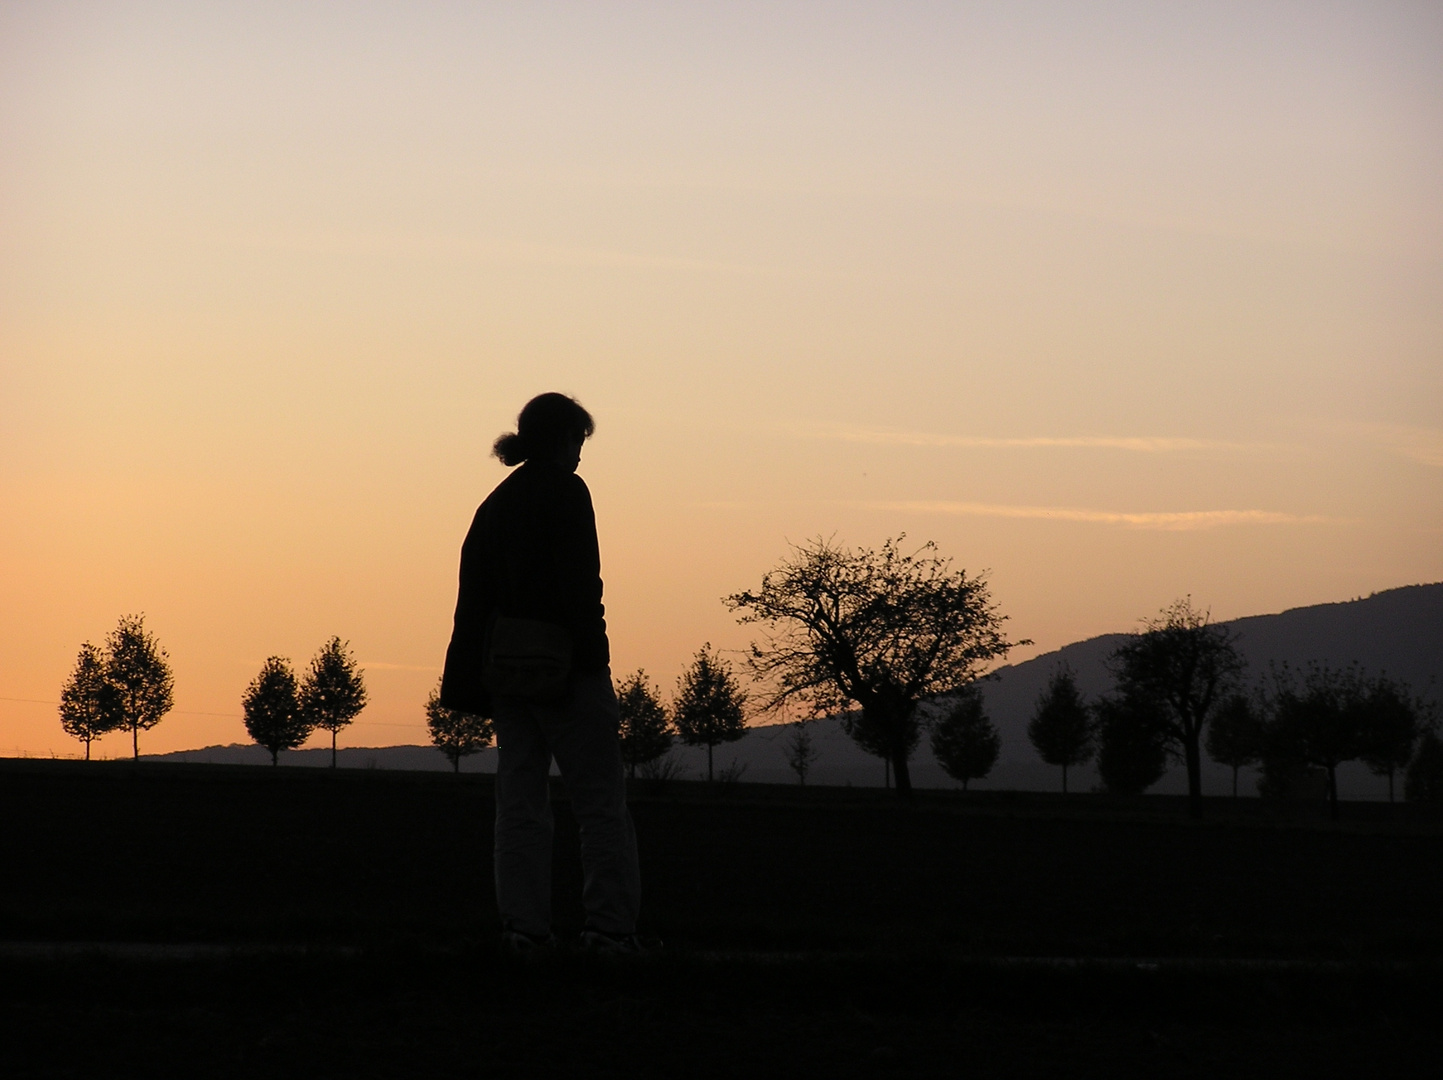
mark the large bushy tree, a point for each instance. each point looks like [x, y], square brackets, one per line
[455, 733]
[140, 686]
[86, 707]
[882, 628]
[1187, 665]
[1132, 742]
[1061, 726]
[333, 692]
[1317, 720]
[710, 704]
[964, 739]
[273, 715]
[646, 730]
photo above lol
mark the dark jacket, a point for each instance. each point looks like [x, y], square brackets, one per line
[531, 553]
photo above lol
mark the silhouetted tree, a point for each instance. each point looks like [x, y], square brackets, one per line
[709, 704]
[1187, 665]
[800, 748]
[86, 708]
[1131, 742]
[879, 628]
[1423, 781]
[1391, 722]
[1061, 725]
[332, 693]
[646, 731]
[1317, 721]
[273, 715]
[140, 685]
[1235, 736]
[964, 740]
[455, 733]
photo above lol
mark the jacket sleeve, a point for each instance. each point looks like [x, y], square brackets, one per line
[461, 685]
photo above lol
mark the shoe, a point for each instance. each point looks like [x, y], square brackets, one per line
[515, 943]
[598, 943]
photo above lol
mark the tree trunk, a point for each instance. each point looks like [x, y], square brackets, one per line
[708, 763]
[135, 741]
[1064, 778]
[456, 763]
[333, 751]
[1194, 778]
[1390, 774]
[87, 758]
[1235, 781]
[904, 776]
[887, 773]
[1333, 792]
[275, 757]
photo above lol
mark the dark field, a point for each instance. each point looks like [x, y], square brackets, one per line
[342, 924]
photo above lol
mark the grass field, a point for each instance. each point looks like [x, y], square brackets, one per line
[261, 920]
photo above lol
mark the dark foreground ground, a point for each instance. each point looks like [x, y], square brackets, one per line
[213, 920]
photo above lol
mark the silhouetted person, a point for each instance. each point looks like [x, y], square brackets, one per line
[532, 554]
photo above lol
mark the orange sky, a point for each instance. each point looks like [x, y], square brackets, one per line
[1119, 302]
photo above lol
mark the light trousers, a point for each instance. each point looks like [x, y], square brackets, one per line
[580, 732]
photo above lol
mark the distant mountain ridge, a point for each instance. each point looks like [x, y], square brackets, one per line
[1399, 631]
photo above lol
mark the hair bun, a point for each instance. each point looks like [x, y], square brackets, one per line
[510, 448]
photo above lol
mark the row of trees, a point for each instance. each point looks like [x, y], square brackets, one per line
[709, 709]
[282, 712]
[1178, 690]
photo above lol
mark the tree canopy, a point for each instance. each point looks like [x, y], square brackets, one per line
[140, 686]
[1187, 665]
[333, 692]
[87, 710]
[273, 715]
[1131, 742]
[882, 628]
[455, 733]
[1061, 726]
[646, 730]
[1235, 736]
[964, 739]
[710, 706]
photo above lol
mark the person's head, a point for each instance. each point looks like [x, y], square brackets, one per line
[551, 427]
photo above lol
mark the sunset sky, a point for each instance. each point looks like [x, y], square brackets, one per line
[1119, 302]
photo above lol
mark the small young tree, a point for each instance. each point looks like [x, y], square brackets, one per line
[709, 707]
[273, 714]
[1131, 743]
[455, 733]
[333, 692]
[86, 712]
[800, 748]
[140, 686]
[1391, 723]
[1423, 781]
[646, 732]
[964, 740]
[1235, 736]
[1061, 726]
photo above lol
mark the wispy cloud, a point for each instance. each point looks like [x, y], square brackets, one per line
[1141, 444]
[1169, 521]
[1421, 444]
